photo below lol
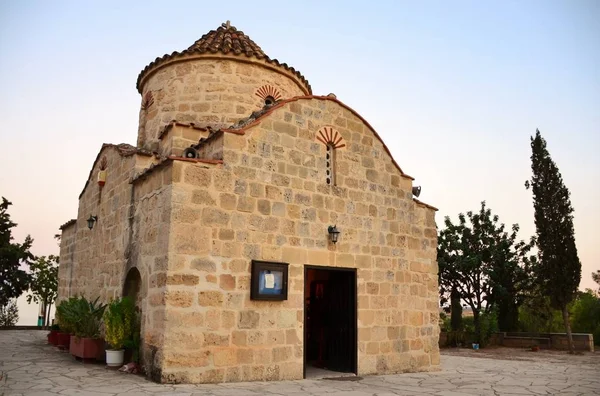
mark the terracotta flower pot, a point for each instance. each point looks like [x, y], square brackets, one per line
[84, 348]
[53, 337]
[63, 340]
[101, 355]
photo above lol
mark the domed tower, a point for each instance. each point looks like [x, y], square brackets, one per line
[220, 79]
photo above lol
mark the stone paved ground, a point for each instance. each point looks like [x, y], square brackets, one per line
[35, 368]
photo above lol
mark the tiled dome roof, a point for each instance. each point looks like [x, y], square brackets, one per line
[226, 39]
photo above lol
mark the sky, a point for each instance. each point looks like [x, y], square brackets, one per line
[455, 89]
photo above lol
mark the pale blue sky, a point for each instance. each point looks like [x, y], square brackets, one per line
[455, 89]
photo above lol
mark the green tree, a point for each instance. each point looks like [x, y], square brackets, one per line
[13, 280]
[559, 268]
[9, 314]
[585, 314]
[44, 283]
[483, 263]
[596, 278]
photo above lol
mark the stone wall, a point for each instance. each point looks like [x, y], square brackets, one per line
[216, 91]
[131, 231]
[581, 341]
[67, 254]
[176, 137]
[213, 148]
[269, 200]
[97, 255]
[150, 233]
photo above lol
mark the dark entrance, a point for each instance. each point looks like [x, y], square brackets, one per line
[330, 334]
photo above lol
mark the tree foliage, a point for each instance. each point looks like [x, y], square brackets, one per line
[13, 280]
[596, 278]
[9, 314]
[585, 314]
[44, 283]
[559, 269]
[485, 264]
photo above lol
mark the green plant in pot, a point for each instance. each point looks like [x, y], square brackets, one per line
[53, 334]
[134, 342]
[119, 319]
[65, 320]
[86, 317]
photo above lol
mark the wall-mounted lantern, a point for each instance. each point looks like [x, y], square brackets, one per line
[334, 233]
[91, 220]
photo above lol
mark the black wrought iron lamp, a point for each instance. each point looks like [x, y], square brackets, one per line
[91, 220]
[334, 233]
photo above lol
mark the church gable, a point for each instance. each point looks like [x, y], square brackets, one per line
[326, 142]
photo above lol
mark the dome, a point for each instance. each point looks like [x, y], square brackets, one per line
[221, 78]
[227, 40]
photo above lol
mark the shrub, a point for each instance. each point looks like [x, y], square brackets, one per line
[488, 324]
[64, 315]
[9, 314]
[86, 317]
[585, 315]
[119, 319]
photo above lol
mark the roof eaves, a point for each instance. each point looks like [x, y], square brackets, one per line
[67, 224]
[421, 203]
[124, 150]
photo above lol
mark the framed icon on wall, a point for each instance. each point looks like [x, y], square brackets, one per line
[269, 281]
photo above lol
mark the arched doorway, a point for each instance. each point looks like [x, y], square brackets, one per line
[132, 289]
[132, 286]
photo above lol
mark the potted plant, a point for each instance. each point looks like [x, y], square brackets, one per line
[535, 347]
[53, 334]
[118, 324]
[87, 316]
[65, 321]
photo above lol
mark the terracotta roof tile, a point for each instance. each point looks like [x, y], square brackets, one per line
[67, 224]
[225, 39]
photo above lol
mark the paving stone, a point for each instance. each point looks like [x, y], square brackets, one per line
[35, 368]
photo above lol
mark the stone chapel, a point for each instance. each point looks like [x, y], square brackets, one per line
[264, 232]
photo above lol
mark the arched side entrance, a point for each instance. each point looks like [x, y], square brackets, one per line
[132, 286]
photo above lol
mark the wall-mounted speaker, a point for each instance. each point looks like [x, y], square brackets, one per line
[190, 152]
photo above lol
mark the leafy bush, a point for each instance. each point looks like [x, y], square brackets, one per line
[134, 342]
[86, 317]
[119, 320]
[537, 316]
[9, 314]
[585, 315]
[488, 324]
[64, 315]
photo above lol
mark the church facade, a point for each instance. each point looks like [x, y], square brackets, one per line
[263, 231]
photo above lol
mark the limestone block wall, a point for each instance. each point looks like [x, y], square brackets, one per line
[212, 148]
[178, 137]
[269, 200]
[97, 261]
[149, 253]
[67, 252]
[132, 231]
[209, 90]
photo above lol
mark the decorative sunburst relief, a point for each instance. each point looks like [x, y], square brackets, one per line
[330, 137]
[148, 100]
[268, 93]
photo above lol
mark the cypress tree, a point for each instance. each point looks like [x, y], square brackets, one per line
[559, 270]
